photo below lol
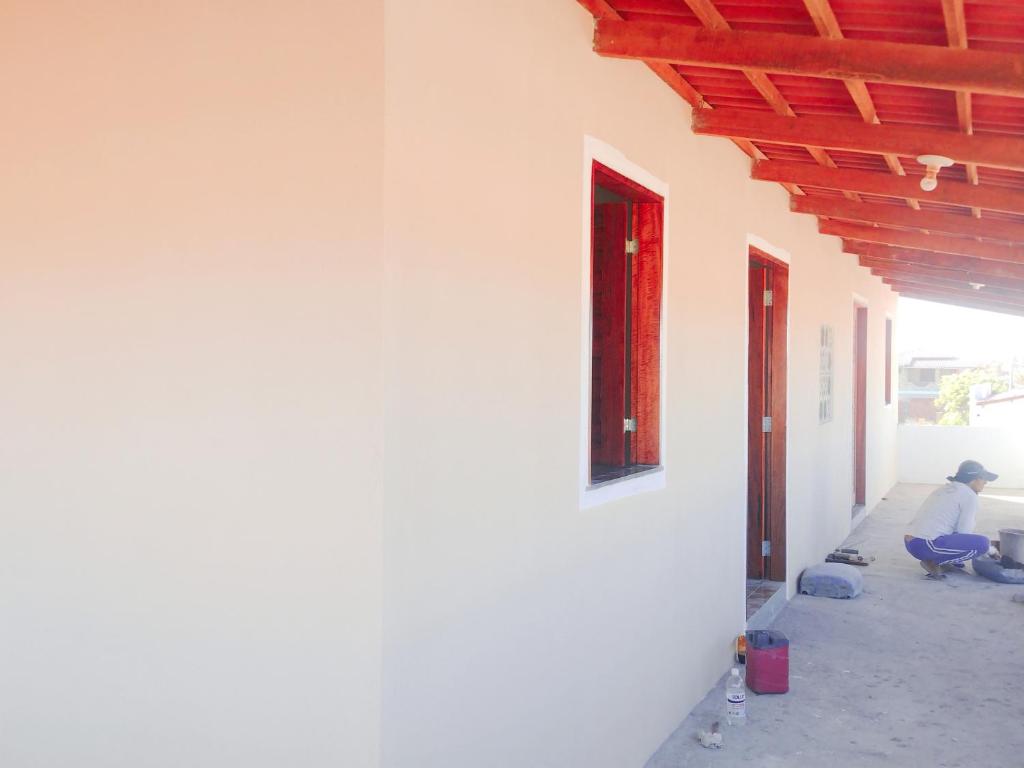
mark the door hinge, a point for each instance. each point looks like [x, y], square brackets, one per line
[633, 246]
[766, 548]
[629, 425]
[767, 298]
[766, 423]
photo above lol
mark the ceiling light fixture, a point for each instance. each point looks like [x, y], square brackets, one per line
[933, 164]
[977, 286]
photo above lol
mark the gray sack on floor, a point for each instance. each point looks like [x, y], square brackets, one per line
[993, 569]
[832, 580]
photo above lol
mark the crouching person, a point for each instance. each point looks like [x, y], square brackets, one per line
[942, 534]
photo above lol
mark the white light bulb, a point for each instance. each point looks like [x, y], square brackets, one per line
[933, 164]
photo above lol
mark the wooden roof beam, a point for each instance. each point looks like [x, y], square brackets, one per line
[965, 292]
[922, 242]
[956, 33]
[965, 275]
[999, 269]
[928, 293]
[843, 133]
[973, 270]
[984, 289]
[827, 24]
[600, 9]
[872, 183]
[891, 216]
[911, 292]
[712, 18]
[926, 66]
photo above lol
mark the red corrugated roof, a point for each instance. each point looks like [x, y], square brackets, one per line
[983, 25]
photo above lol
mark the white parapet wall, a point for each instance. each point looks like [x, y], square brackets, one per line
[928, 453]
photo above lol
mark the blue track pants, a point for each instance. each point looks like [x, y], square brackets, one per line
[954, 548]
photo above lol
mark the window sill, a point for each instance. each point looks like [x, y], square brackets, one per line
[647, 478]
[616, 474]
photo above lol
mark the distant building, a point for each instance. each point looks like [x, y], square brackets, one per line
[1004, 410]
[919, 384]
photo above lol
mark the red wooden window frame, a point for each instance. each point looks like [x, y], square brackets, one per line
[626, 296]
[888, 361]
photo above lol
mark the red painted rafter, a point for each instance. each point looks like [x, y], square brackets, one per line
[913, 275]
[828, 27]
[927, 66]
[872, 183]
[986, 294]
[912, 292]
[953, 296]
[965, 291]
[956, 32]
[1001, 269]
[996, 272]
[996, 296]
[840, 133]
[901, 238]
[710, 17]
[600, 9]
[891, 216]
[941, 273]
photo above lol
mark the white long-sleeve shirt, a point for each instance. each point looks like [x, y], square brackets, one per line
[949, 509]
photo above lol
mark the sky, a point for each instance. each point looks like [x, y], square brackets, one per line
[931, 328]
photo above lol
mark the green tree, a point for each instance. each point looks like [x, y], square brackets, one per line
[954, 400]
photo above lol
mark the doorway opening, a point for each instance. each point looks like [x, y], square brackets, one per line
[860, 390]
[768, 281]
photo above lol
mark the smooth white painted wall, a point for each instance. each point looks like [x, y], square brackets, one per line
[929, 453]
[520, 630]
[1005, 414]
[196, 417]
[190, 489]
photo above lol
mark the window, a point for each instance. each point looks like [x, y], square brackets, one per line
[825, 374]
[626, 291]
[888, 361]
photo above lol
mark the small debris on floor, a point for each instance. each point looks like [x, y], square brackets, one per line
[849, 556]
[711, 739]
[1018, 598]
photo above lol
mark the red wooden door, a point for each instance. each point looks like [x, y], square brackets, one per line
[645, 327]
[756, 409]
[860, 387]
[766, 428]
[608, 362]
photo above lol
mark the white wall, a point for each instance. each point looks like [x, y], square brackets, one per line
[205, 554]
[928, 454]
[190, 333]
[520, 630]
[1005, 414]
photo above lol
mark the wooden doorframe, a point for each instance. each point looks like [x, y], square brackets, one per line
[766, 392]
[860, 401]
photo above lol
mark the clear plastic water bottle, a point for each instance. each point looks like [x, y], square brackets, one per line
[735, 699]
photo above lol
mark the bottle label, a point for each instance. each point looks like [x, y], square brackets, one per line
[736, 704]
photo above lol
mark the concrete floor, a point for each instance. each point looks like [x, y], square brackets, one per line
[912, 673]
